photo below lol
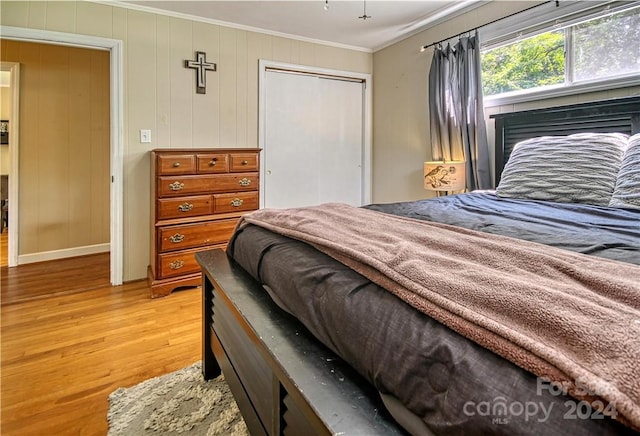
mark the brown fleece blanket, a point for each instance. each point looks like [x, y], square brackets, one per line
[566, 317]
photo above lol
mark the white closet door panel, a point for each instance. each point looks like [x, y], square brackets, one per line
[290, 163]
[313, 141]
[340, 142]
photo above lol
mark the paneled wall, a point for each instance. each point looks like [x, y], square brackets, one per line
[159, 93]
[401, 134]
[64, 146]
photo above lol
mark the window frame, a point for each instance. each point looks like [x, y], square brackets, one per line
[532, 23]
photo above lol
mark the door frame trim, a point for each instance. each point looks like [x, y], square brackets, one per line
[265, 64]
[114, 46]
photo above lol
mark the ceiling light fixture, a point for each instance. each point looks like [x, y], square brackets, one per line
[326, 5]
[364, 15]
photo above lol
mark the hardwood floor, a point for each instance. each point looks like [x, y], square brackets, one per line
[65, 276]
[4, 243]
[62, 355]
[24, 283]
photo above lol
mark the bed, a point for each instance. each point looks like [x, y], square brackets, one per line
[311, 341]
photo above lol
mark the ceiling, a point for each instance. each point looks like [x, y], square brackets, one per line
[391, 20]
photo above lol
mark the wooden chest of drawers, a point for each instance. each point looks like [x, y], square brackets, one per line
[197, 197]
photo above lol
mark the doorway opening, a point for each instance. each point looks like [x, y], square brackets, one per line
[10, 76]
[116, 136]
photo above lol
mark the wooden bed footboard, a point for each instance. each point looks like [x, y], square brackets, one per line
[283, 379]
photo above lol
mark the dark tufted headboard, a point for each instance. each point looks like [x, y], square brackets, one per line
[617, 115]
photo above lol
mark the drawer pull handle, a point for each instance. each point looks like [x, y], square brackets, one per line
[185, 207]
[176, 164]
[176, 186]
[212, 162]
[244, 181]
[176, 238]
[245, 162]
[176, 264]
[237, 202]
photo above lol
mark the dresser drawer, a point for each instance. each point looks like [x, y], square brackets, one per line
[236, 202]
[211, 183]
[243, 162]
[195, 235]
[213, 163]
[235, 182]
[184, 207]
[178, 263]
[176, 164]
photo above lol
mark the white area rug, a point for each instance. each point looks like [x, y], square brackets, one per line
[178, 403]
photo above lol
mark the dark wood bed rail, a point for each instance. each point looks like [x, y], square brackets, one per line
[617, 115]
[283, 379]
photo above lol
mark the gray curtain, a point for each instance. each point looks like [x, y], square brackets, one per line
[458, 130]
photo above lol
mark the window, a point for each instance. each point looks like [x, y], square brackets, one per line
[608, 46]
[599, 49]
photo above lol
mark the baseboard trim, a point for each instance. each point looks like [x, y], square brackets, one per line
[63, 254]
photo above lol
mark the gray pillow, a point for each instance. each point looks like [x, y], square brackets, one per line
[627, 191]
[580, 168]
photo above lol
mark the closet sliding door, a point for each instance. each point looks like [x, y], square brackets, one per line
[313, 140]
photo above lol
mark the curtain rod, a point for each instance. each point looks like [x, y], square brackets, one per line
[424, 47]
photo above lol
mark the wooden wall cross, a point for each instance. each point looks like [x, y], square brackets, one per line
[201, 66]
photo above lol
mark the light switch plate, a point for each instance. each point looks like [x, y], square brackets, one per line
[145, 136]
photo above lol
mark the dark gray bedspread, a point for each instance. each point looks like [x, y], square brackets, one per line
[456, 386]
[612, 233]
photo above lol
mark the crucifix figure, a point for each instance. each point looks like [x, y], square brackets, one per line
[201, 66]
